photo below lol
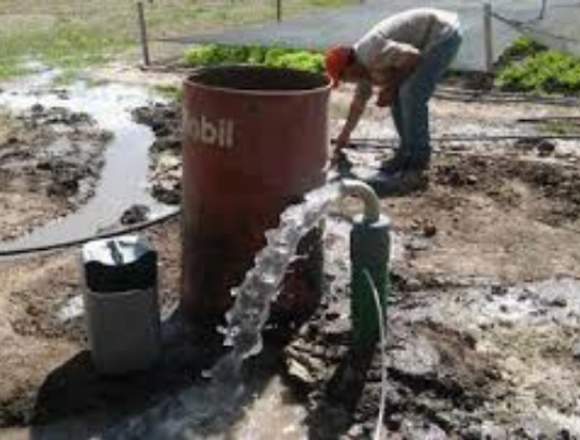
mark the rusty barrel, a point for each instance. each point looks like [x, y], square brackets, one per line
[255, 141]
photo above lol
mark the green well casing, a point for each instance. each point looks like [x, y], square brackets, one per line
[370, 246]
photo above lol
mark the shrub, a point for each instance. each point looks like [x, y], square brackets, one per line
[548, 71]
[301, 61]
[204, 55]
[521, 48]
[213, 54]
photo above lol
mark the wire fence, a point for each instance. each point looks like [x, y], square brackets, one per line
[73, 31]
[64, 30]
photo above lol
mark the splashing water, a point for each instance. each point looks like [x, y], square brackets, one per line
[262, 284]
[201, 410]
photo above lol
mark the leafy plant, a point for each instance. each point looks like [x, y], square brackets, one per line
[547, 71]
[301, 61]
[521, 48]
[273, 57]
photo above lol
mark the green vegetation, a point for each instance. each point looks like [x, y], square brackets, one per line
[530, 67]
[72, 34]
[214, 54]
[170, 91]
[70, 46]
[521, 48]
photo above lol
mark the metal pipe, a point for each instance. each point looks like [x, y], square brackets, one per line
[356, 188]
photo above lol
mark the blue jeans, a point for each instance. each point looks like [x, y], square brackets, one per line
[410, 109]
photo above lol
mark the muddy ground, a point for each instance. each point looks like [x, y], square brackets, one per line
[50, 161]
[484, 316]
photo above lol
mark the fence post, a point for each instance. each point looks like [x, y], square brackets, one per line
[143, 31]
[543, 9]
[279, 10]
[488, 36]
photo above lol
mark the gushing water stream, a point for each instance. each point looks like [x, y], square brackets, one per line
[208, 411]
[262, 284]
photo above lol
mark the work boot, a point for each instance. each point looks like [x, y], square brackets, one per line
[395, 165]
[414, 179]
[400, 183]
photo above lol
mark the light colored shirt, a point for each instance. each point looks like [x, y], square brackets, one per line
[388, 43]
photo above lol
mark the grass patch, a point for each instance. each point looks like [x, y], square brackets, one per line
[530, 67]
[215, 54]
[171, 92]
[70, 46]
[71, 35]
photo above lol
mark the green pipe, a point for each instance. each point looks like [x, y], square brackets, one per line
[369, 254]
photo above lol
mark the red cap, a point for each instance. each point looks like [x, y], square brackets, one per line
[338, 58]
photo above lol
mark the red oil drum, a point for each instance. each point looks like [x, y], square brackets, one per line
[255, 141]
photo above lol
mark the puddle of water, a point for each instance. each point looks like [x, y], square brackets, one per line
[271, 417]
[123, 180]
[200, 411]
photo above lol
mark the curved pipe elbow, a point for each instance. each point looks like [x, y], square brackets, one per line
[361, 190]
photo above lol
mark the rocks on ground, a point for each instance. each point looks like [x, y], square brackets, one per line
[165, 121]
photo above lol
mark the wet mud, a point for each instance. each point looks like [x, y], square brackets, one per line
[483, 317]
[165, 153]
[50, 162]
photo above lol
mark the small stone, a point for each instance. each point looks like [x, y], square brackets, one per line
[558, 302]
[576, 350]
[412, 285]
[545, 148]
[356, 431]
[491, 431]
[299, 372]
[417, 245]
[135, 214]
[44, 165]
[503, 308]
[505, 323]
[564, 434]
[167, 193]
[33, 310]
[555, 302]
[471, 179]
[429, 230]
[37, 108]
[499, 290]
[472, 433]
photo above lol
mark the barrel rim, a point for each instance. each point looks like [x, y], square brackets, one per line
[189, 83]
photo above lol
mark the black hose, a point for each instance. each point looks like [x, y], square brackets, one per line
[389, 143]
[355, 143]
[497, 98]
[77, 242]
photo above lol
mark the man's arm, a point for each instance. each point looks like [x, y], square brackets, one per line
[357, 107]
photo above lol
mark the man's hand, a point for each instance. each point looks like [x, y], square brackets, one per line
[386, 97]
[342, 142]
